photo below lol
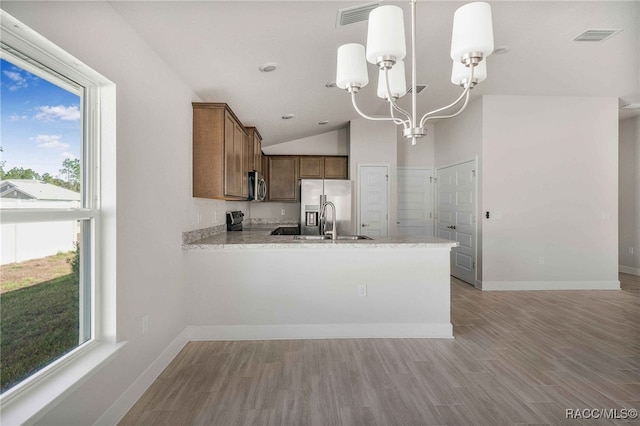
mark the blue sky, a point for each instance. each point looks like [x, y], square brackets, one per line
[40, 121]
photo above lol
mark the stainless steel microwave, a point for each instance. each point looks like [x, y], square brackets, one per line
[257, 187]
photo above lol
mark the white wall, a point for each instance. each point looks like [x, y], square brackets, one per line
[154, 204]
[272, 211]
[375, 143]
[286, 293]
[550, 166]
[331, 143]
[422, 154]
[629, 196]
[459, 140]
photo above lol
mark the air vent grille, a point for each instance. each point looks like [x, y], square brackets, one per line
[419, 88]
[596, 35]
[632, 106]
[351, 15]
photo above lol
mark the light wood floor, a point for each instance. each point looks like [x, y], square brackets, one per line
[629, 282]
[518, 358]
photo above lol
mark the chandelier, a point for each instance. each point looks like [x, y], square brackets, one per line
[471, 42]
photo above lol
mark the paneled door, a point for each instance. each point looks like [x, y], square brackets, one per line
[415, 201]
[456, 189]
[373, 203]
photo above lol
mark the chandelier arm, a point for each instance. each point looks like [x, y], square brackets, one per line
[429, 114]
[368, 117]
[464, 105]
[396, 120]
[405, 124]
[462, 95]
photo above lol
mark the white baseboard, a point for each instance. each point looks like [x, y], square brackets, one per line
[629, 270]
[549, 285]
[123, 404]
[320, 331]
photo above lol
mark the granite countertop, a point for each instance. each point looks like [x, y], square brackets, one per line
[259, 237]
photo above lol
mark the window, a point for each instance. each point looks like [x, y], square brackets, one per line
[46, 277]
[57, 214]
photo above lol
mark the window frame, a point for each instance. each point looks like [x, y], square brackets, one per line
[28, 400]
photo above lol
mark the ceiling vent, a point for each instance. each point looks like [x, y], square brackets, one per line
[419, 88]
[353, 14]
[632, 106]
[596, 35]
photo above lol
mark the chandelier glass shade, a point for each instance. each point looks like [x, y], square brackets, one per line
[471, 43]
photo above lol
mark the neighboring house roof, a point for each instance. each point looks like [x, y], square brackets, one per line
[35, 189]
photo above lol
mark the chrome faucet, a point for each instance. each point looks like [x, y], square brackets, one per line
[323, 211]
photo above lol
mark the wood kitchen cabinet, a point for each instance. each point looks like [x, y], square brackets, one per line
[324, 167]
[336, 167]
[219, 153]
[311, 167]
[283, 175]
[255, 150]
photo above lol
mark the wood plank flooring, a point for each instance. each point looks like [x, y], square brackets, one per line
[519, 358]
[629, 282]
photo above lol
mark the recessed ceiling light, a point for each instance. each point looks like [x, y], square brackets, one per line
[322, 123]
[268, 67]
[287, 116]
[501, 50]
[330, 85]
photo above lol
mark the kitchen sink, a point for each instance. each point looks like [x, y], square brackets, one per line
[328, 237]
[286, 230]
[312, 237]
[354, 237]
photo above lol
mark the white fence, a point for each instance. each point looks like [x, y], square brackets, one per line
[25, 241]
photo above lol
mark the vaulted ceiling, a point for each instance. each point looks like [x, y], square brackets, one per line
[217, 47]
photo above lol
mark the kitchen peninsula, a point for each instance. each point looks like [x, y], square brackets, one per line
[253, 285]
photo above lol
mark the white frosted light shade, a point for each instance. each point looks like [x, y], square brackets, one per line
[472, 30]
[460, 72]
[397, 82]
[385, 35]
[352, 66]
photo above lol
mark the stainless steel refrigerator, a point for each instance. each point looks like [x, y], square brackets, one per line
[313, 192]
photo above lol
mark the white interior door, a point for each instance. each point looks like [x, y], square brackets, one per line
[374, 204]
[415, 201]
[456, 216]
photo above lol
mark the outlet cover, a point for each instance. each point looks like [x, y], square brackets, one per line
[145, 324]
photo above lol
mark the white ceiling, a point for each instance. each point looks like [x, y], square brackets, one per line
[216, 47]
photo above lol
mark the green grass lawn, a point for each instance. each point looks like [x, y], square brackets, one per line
[38, 324]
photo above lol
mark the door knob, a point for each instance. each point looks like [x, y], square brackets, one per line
[364, 225]
[451, 227]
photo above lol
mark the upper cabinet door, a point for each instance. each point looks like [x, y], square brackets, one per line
[311, 167]
[283, 178]
[233, 156]
[336, 167]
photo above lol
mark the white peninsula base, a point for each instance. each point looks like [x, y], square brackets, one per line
[318, 292]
